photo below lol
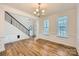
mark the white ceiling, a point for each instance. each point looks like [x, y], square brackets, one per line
[50, 7]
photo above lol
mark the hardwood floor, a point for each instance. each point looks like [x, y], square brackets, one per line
[40, 47]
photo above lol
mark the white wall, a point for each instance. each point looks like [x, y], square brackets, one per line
[11, 33]
[2, 37]
[77, 44]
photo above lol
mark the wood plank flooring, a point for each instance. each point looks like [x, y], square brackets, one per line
[40, 47]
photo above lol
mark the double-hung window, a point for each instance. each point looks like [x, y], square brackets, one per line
[46, 26]
[62, 25]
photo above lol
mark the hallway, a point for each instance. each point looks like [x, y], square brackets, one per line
[40, 47]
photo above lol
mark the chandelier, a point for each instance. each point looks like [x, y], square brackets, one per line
[39, 11]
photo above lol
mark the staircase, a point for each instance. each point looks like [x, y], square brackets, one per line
[12, 20]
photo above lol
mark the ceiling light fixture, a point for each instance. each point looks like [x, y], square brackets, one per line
[39, 11]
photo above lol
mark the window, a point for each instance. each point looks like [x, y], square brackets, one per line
[62, 26]
[46, 26]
